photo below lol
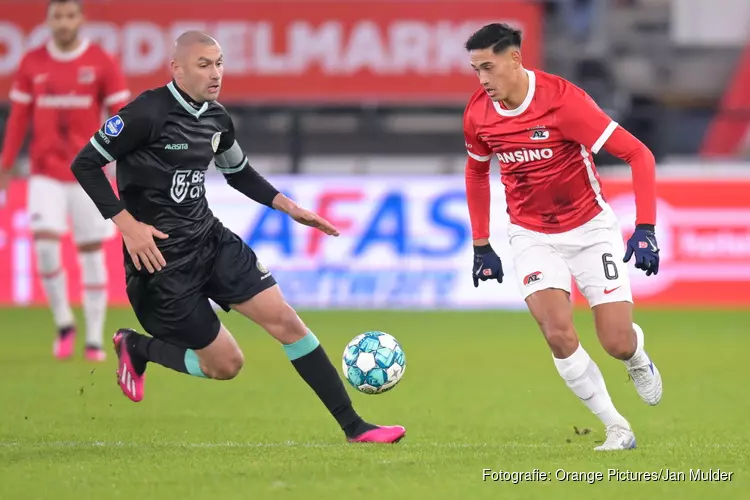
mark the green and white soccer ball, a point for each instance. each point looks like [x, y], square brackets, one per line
[374, 362]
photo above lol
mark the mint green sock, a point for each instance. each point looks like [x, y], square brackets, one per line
[302, 347]
[193, 364]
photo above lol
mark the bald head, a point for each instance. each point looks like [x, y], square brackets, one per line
[198, 65]
[187, 40]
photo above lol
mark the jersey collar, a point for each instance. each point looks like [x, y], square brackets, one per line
[186, 101]
[526, 102]
[61, 56]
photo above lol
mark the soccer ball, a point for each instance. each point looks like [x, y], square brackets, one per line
[373, 362]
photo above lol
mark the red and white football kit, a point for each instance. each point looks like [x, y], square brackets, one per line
[560, 224]
[64, 96]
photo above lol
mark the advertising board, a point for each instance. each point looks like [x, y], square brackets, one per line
[406, 243]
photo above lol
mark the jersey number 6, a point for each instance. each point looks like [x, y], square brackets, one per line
[610, 268]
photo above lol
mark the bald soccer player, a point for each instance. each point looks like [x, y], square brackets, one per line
[178, 255]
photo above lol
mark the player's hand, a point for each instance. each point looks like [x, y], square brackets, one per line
[643, 245]
[487, 265]
[139, 240]
[308, 218]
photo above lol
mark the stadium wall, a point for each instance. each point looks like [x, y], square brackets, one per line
[406, 243]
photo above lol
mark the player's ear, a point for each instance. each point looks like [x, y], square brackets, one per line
[515, 56]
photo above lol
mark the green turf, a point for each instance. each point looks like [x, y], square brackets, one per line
[480, 391]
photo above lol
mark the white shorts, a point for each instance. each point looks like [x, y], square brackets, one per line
[591, 254]
[53, 202]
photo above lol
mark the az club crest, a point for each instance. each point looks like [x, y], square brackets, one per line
[86, 75]
[215, 141]
[539, 135]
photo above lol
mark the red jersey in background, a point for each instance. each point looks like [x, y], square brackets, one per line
[64, 95]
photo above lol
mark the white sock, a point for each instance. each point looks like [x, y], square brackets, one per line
[639, 357]
[583, 377]
[94, 281]
[54, 281]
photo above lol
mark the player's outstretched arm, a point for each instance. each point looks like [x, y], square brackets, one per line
[236, 169]
[303, 216]
[234, 165]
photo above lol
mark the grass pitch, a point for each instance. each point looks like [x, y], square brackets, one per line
[480, 392]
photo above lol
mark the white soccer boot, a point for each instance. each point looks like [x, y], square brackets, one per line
[645, 375]
[618, 438]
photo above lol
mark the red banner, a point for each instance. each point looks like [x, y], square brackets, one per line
[294, 51]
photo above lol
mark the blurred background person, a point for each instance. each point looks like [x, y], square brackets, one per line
[62, 88]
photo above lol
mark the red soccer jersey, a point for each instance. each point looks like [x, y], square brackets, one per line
[545, 151]
[64, 95]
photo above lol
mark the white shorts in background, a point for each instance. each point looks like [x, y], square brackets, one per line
[591, 254]
[52, 203]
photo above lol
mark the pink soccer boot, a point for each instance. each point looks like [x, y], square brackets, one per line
[64, 343]
[130, 380]
[381, 434]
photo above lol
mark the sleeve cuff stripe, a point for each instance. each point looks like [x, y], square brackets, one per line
[479, 158]
[116, 97]
[604, 137]
[101, 150]
[20, 97]
[233, 170]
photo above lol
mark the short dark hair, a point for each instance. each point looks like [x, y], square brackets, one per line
[496, 36]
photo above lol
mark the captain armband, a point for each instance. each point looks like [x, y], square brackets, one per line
[231, 161]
